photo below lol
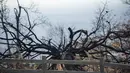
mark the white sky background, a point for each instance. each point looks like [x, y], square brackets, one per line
[77, 13]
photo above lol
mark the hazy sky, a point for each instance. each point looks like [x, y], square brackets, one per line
[77, 13]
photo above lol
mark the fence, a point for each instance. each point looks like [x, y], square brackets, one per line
[44, 62]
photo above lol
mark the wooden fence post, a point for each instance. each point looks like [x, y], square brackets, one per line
[44, 64]
[102, 65]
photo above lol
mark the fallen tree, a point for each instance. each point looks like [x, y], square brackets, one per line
[96, 43]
